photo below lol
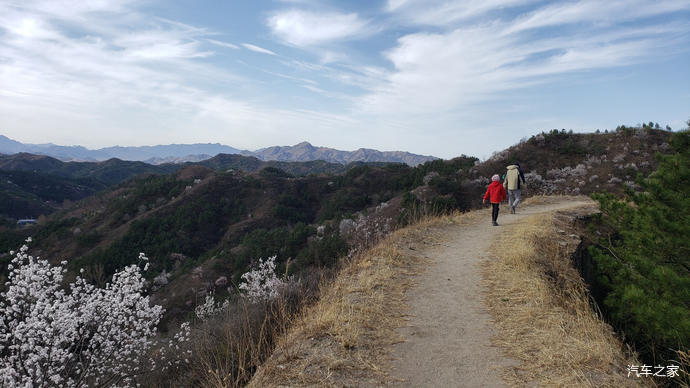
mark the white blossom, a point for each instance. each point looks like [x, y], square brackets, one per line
[209, 308]
[74, 335]
[261, 283]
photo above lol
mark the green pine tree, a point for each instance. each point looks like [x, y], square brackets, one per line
[643, 260]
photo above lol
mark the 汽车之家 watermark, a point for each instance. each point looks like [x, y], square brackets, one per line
[650, 371]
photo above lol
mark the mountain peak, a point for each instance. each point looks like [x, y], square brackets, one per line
[300, 152]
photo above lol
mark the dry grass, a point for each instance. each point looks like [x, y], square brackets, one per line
[345, 338]
[226, 349]
[684, 361]
[542, 312]
[539, 302]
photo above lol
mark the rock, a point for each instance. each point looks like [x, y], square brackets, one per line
[428, 177]
[76, 231]
[221, 281]
[346, 226]
[161, 279]
[579, 170]
[618, 158]
[320, 230]
[382, 206]
[178, 256]
[422, 193]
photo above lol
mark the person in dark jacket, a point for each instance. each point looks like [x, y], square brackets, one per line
[495, 193]
[512, 184]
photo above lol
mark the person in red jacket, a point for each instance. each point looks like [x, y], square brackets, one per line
[496, 194]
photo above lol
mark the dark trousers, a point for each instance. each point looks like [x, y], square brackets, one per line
[494, 212]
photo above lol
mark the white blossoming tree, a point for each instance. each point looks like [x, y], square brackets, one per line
[52, 334]
[262, 283]
[210, 308]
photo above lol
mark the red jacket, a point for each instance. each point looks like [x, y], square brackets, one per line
[495, 193]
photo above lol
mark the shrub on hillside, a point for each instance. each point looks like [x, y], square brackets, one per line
[643, 262]
[78, 335]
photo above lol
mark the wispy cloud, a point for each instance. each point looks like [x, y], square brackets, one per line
[112, 75]
[307, 28]
[443, 12]
[399, 76]
[596, 12]
[257, 49]
[223, 44]
[461, 65]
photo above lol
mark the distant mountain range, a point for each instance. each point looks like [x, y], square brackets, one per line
[31, 185]
[180, 153]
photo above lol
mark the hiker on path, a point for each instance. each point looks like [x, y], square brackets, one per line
[495, 193]
[512, 184]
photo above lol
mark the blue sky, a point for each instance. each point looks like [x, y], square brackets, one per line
[426, 76]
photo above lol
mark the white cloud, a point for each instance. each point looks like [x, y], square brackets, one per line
[453, 69]
[223, 44]
[105, 72]
[305, 28]
[444, 12]
[88, 78]
[258, 49]
[592, 11]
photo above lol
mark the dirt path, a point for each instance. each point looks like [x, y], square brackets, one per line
[447, 341]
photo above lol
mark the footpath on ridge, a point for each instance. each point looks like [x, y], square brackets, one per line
[410, 312]
[447, 338]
